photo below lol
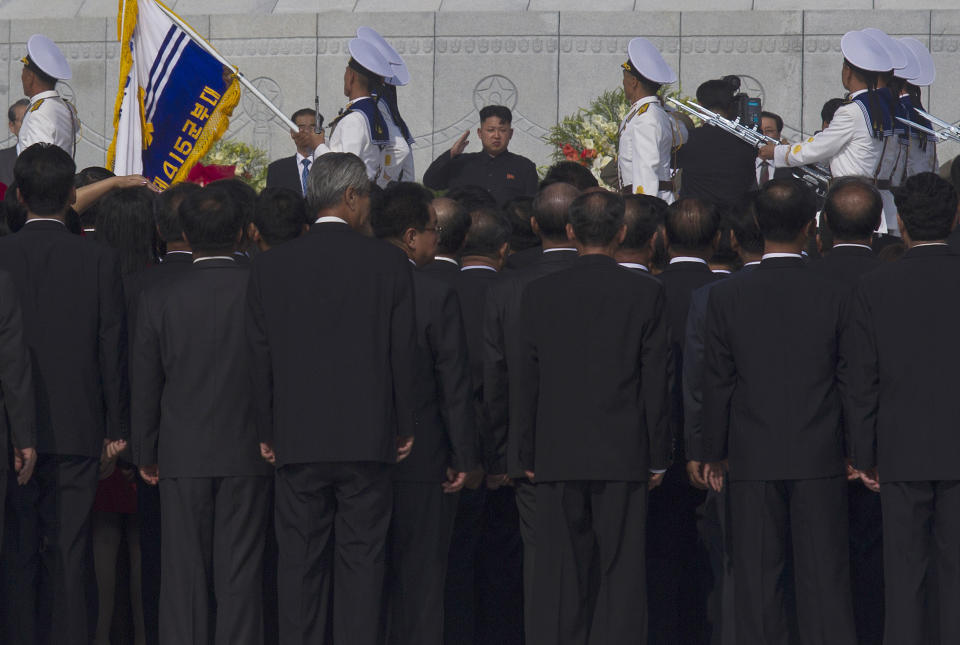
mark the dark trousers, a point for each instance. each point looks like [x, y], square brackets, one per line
[460, 590]
[20, 562]
[590, 578]
[148, 514]
[715, 526]
[66, 606]
[866, 563]
[500, 571]
[420, 531]
[332, 523]
[921, 540]
[813, 512]
[212, 547]
[526, 495]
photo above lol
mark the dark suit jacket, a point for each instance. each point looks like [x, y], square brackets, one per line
[846, 264]
[75, 327]
[771, 402]
[284, 173]
[448, 272]
[717, 166]
[332, 331]
[18, 414]
[902, 403]
[523, 259]
[171, 265]
[502, 349]
[592, 397]
[446, 430]
[191, 409]
[8, 157]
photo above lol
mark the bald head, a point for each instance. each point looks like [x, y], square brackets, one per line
[853, 210]
[453, 222]
[551, 209]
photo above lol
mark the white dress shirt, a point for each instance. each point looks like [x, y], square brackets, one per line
[48, 120]
[352, 134]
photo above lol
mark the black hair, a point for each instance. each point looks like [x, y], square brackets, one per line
[168, 207]
[569, 172]
[16, 215]
[244, 197]
[44, 175]
[853, 209]
[551, 210]
[596, 218]
[643, 215]
[718, 95]
[519, 210]
[742, 219]
[829, 109]
[406, 205]
[44, 78]
[776, 119]
[472, 197]
[210, 219]
[502, 112]
[126, 223]
[784, 207]
[927, 204]
[489, 231]
[280, 215]
[872, 81]
[87, 176]
[452, 227]
[303, 112]
[691, 224]
[12, 110]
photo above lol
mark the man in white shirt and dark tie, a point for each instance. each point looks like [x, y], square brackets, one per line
[292, 172]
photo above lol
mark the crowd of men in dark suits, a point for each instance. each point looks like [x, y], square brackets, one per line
[391, 426]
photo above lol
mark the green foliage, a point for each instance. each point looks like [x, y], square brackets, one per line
[251, 163]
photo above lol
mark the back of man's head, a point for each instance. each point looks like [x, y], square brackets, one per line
[280, 215]
[242, 194]
[519, 210]
[489, 231]
[472, 197]
[551, 210]
[453, 222]
[330, 177]
[927, 206]
[570, 172]
[691, 225]
[643, 215]
[596, 218]
[211, 221]
[44, 176]
[406, 205]
[168, 207]
[853, 209]
[784, 208]
[742, 219]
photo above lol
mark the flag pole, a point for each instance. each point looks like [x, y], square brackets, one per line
[207, 47]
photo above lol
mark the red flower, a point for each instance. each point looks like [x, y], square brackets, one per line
[589, 153]
[204, 175]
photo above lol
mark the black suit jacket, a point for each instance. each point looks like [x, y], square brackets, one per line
[846, 264]
[593, 388]
[443, 270]
[523, 259]
[8, 157]
[502, 349]
[446, 430]
[284, 173]
[717, 166]
[18, 414]
[333, 335]
[75, 328]
[171, 265]
[902, 403]
[771, 401]
[191, 408]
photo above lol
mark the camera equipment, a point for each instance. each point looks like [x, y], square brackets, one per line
[748, 108]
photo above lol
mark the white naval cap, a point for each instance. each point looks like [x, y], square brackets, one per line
[645, 60]
[401, 76]
[897, 58]
[44, 53]
[920, 69]
[367, 56]
[865, 52]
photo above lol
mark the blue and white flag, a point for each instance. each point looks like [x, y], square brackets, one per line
[175, 97]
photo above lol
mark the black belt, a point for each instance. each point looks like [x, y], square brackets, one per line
[884, 184]
[666, 186]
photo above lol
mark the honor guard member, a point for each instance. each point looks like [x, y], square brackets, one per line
[360, 127]
[648, 134]
[396, 158]
[853, 143]
[921, 148]
[49, 119]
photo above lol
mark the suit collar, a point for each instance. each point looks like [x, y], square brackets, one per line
[852, 251]
[329, 227]
[694, 266]
[216, 263]
[558, 255]
[929, 251]
[596, 259]
[177, 257]
[35, 225]
[782, 262]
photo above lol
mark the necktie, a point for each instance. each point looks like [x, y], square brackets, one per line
[764, 173]
[303, 175]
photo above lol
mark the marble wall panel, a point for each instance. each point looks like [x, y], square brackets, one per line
[944, 94]
[839, 22]
[9, 82]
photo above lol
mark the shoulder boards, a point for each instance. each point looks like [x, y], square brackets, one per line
[643, 108]
[37, 105]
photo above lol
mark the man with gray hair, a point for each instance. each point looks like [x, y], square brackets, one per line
[8, 156]
[331, 327]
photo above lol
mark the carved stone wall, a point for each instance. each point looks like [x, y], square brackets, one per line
[542, 58]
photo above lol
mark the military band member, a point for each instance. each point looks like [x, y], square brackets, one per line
[396, 158]
[49, 119]
[360, 127]
[648, 134]
[921, 149]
